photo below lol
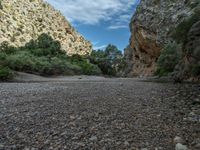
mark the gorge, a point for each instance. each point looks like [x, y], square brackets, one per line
[157, 23]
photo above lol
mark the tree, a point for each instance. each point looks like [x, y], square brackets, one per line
[110, 60]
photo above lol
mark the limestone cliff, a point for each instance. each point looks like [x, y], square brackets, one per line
[23, 20]
[151, 27]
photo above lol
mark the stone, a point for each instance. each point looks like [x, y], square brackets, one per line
[24, 20]
[196, 144]
[1, 146]
[178, 139]
[179, 146]
[196, 101]
[126, 143]
[93, 138]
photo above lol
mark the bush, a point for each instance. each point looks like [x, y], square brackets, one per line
[2, 58]
[196, 70]
[22, 61]
[44, 56]
[89, 69]
[86, 67]
[5, 74]
[7, 49]
[1, 7]
[181, 31]
[169, 58]
[44, 46]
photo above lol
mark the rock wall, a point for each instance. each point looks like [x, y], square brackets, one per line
[150, 31]
[23, 20]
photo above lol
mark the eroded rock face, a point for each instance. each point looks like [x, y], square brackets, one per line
[150, 28]
[23, 20]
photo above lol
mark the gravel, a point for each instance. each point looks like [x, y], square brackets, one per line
[103, 114]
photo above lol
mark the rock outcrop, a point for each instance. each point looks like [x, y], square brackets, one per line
[151, 28]
[23, 20]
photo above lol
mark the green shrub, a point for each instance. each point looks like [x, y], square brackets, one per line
[44, 46]
[5, 74]
[90, 69]
[1, 7]
[87, 68]
[194, 4]
[22, 61]
[169, 58]
[181, 31]
[3, 56]
[44, 56]
[196, 70]
[4, 47]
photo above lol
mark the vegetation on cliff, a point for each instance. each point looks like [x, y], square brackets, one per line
[186, 34]
[180, 33]
[169, 58]
[44, 56]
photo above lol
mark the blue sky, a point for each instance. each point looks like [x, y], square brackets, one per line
[102, 22]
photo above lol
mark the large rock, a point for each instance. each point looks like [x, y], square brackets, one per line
[23, 20]
[150, 29]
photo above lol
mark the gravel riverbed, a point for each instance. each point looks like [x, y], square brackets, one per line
[102, 114]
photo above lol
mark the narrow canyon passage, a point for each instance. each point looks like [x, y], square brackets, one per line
[99, 114]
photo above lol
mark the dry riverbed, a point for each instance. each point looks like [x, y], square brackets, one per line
[99, 114]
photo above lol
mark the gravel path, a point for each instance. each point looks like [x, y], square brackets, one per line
[106, 114]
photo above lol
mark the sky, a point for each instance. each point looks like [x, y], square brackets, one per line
[102, 22]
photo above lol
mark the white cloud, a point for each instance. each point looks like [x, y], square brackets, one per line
[114, 27]
[99, 47]
[96, 45]
[94, 11]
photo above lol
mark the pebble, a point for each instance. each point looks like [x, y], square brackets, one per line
[1, 146]
[180, 146]
[126, 143]
[178, 139]
[93, 138]
[92, 115]
[196, 144]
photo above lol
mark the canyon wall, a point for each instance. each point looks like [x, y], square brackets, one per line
[23, 20]
[151, 28]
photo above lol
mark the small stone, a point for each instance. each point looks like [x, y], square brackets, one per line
[126, 143]
[178, 139]
[144, 149]
[180, 146]
[196, 101]
[1, 146]
[64, 133]
[72, 117]
[93, 138]
[81, 144]
[196, 144]
[192, 114]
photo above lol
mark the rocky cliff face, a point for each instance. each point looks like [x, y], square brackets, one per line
[151, 27]
[23, 20]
